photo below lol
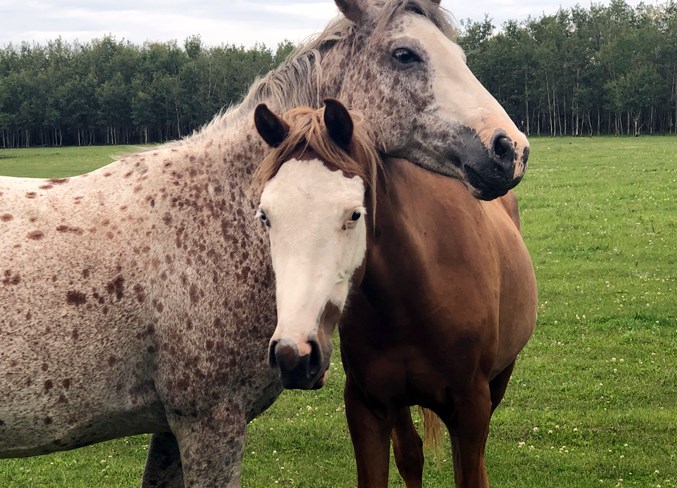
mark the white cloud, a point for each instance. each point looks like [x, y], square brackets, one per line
[217, 21]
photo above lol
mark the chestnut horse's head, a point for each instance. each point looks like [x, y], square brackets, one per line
[400, 68]
[313, 186]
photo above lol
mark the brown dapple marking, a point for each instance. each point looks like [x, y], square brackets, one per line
[440, 289]
[138, 298]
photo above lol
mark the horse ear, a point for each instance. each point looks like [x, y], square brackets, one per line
[338, 121]
[436, 1]
[354, 10]
[270, 127]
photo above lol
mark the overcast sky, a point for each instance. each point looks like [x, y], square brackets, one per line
[217, 21]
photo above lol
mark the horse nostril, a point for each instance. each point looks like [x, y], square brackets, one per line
[284, 355]
[315, 362]
[503, 148]
[525, 157]
[272, 362]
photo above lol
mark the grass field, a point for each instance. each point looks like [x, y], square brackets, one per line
[593, 400]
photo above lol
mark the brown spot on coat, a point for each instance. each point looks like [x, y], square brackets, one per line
[139, 293]
[66, 383]
[31, 194]
[75, 298]
[36, 235]
[72, 230]
[58, 181]
[117, 287]
[46, 187]
[193, 293]
[9, 279]
[6, 217]
[48, 385]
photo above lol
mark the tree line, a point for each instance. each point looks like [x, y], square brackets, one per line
[583, 71]
[600, 70]
[113, 92]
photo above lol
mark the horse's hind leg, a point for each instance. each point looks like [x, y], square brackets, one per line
[370, 434]
[163, 465]
[408, 449]
[499, 384]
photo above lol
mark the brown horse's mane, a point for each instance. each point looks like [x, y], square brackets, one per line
[307, 132]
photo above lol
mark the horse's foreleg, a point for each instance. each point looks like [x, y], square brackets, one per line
[408, 449]
[163, 465]
[469, 428]
[211, 446]
[371, 440]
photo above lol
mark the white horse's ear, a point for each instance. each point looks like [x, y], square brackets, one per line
[270, 127]
[338, 122]
[355, 10]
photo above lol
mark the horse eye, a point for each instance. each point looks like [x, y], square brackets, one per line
[414, 9]
[405, 56]
[355, 216]
[263, 217]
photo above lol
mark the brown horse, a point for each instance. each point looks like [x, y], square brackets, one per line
[443, 289]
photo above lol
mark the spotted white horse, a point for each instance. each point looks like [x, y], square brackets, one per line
[139, 297]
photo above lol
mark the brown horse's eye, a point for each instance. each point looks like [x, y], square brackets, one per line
[355, 216]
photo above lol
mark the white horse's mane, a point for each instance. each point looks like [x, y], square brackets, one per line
[297, 82]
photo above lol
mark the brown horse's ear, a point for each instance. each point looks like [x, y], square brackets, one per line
[270, 127]
[338, 121]
[354, 10]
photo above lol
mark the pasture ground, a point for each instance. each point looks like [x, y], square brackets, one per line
[593, 400]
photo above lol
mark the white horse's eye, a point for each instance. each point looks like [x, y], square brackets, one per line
[405, 56]
[356, 216]
[261, 215]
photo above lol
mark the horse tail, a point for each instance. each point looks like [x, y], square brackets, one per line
[432, 429]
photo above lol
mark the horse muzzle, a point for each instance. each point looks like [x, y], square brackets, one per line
[299, 371]
[500, 169]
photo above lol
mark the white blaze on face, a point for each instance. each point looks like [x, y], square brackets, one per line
[315, 245]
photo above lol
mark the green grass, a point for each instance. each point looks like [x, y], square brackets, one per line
[58, 162]
[593, 400]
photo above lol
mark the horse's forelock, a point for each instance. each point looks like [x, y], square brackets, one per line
[308, 132]
[436, 14]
